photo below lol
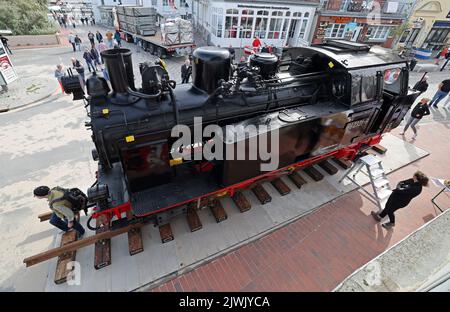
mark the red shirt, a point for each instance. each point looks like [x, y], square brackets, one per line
[444, 52]
[256, 43]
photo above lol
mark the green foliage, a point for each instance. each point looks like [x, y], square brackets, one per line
[25, 17]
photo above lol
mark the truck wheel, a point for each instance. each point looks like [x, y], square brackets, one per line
[151, 48]
[160, 52]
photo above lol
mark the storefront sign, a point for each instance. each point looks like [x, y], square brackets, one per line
[6, 68]
[262, 7]
[341, 19]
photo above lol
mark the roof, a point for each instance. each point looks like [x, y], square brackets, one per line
[278, 2]
[352, 55]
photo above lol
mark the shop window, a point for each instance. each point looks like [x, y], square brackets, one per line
[216, 22]
[261, 27]
[275, 28]
[335, 31]
[246, 27]
[232, 11]
[303, 29]
[285, 28]
[378, 32]
[231, 23]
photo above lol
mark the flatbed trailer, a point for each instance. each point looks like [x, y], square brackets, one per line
[155, 45]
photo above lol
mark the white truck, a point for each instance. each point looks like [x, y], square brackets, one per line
[140, 24]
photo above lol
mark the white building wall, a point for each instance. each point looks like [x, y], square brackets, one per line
[215, 16]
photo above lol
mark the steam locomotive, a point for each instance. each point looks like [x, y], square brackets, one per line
[332, 99]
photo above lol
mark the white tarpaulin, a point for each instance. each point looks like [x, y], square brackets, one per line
[392, 7]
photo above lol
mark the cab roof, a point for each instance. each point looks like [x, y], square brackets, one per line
[352, 55]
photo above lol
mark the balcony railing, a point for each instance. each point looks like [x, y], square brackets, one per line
[387, 8]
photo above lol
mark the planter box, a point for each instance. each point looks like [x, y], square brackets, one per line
[33, 40]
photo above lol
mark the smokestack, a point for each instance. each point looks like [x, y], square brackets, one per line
[120, 69]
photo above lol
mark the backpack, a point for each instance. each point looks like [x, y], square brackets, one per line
[74, 196]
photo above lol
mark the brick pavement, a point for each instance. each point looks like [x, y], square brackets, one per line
[317, 252]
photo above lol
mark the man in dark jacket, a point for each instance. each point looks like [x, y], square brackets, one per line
[185, 71]
[420, 110]
[5, 43]
[403, 194]
[99, 36]
[422, 85]
[91, 37]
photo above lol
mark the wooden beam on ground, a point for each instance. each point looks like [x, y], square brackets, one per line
[55, 252]
[281, 187]
[62, 269]
[45, 216]
[241, 202]
[343, 163]
[192, 218]
[135, 244]
[165, 231]
[217, 210]
[371, 152]
[313, 173]
[261, 194]
[297, 179]
[328, 167]
[379, 149]
[102, 256]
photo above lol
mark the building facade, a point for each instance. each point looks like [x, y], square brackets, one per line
[236, 23]
[428, 27]
[366, 21]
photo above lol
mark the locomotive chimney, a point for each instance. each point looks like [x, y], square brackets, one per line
[120, 69]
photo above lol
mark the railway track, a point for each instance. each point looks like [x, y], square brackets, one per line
[102, 238]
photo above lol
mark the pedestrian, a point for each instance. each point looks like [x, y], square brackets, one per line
[64, 21]
[5, 43]
[447, 59]
[422, 84]
[109, 39]
[63, 217]
[102, 47]
[95, 55]
[82, 20]
[92, 20]
[72, 41]
[76, 64]
[78, 42]
[442, 92]
[441, 55]
[420, 110]
[91, 37]
[117, 37]
[256, 44]
[89, 60]
[185, 69]
[59, 19]
[104, 72]
[72, 19]
[59, 73]
[232, 52]
[402, 195]
[99, 36]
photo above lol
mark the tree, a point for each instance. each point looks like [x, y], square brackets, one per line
[25, 17]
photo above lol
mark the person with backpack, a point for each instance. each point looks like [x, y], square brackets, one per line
[63, 207]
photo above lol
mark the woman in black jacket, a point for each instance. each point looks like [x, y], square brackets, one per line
[420, 110]
[402, 195]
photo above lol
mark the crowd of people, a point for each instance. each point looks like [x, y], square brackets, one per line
[91, 48]
[65, 20]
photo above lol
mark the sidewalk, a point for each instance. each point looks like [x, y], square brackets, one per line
[26, 91]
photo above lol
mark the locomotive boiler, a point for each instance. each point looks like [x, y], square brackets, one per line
[332, 99]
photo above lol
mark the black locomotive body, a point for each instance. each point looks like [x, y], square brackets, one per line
[326, 100]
